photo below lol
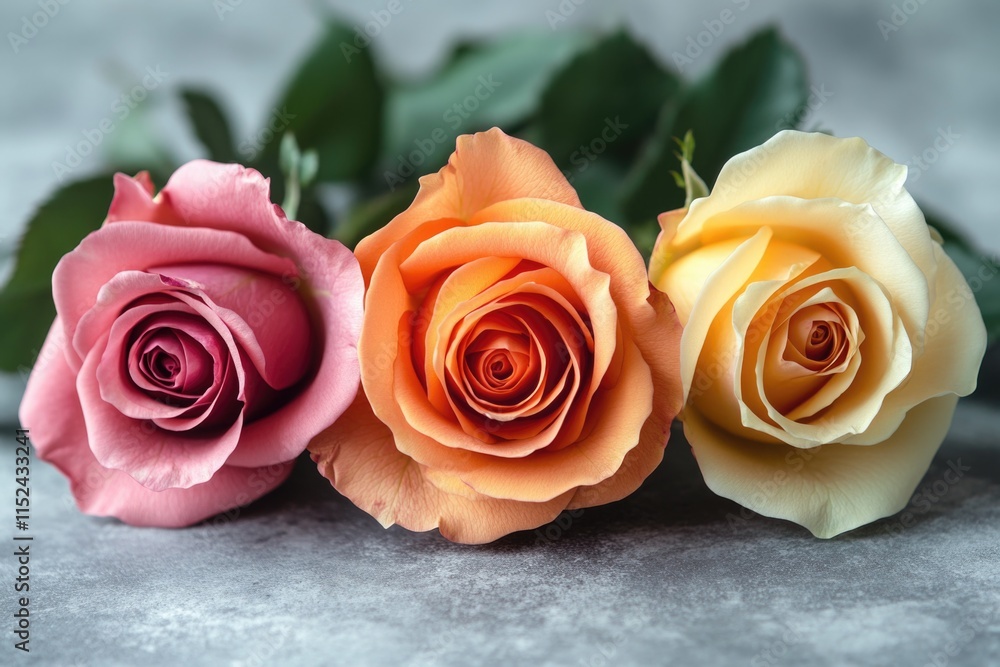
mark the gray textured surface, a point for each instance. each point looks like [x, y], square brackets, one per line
[672, 575]
[937, 71]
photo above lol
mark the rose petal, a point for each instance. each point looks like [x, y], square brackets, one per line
[597, 455]
[518, 349]
[126, 288]
[764, 263]
[453, 247]
[358, 456]
[461, 294]
[559, 387]
[657, 332]
[829, 489]
[609, 248]
[817, 166]
[332, 284]
[271, 315]
[718, 290]
[78, 282]
[133, 200]
[146, 400]
[886, 351]
[486, 168]
[231, 197]
[825, 225]
[50, 399]
[798, 391]
[949, 362]
[156, 458]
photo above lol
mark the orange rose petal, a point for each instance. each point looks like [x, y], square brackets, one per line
[610, 250]
[532, 241]
[502, 369]
[427, 435]
[537, 308]
[525, 387]
[463, 283]
[565, 251]
[379, 344]
[358, 456]
[657, 332]
[549, 385]
[544, 474]
[486, 168]
[460, 301]
[591, 460]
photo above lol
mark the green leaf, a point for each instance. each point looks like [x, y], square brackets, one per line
[333, 105]
[373, 214]
[210, 124]
[605, 101]
[751, 94]
[26, 307]
[598, 187]
[311, 212]
[138, 140]
[498, 83]
[688, 178]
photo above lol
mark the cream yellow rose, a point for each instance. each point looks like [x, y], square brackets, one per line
[827, 336]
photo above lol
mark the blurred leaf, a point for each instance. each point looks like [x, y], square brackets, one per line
[498, 83]
[26, 307]
[373, 214]
[137, 140]
[308, 167]
[210, 125]
[311, 212]
[289, 154]
[333, 105]
[740, 104]
[606, 99]
[598, 186]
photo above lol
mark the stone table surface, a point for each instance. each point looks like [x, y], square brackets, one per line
[899, 89]
[672, 575]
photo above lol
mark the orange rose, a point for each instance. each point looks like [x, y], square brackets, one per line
[514, 360]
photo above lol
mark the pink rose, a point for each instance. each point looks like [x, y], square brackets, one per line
[201, 340]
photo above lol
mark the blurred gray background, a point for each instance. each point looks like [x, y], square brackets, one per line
[672, 575]
[899, 89]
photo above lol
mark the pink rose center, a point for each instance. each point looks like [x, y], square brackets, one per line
[171, 360]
